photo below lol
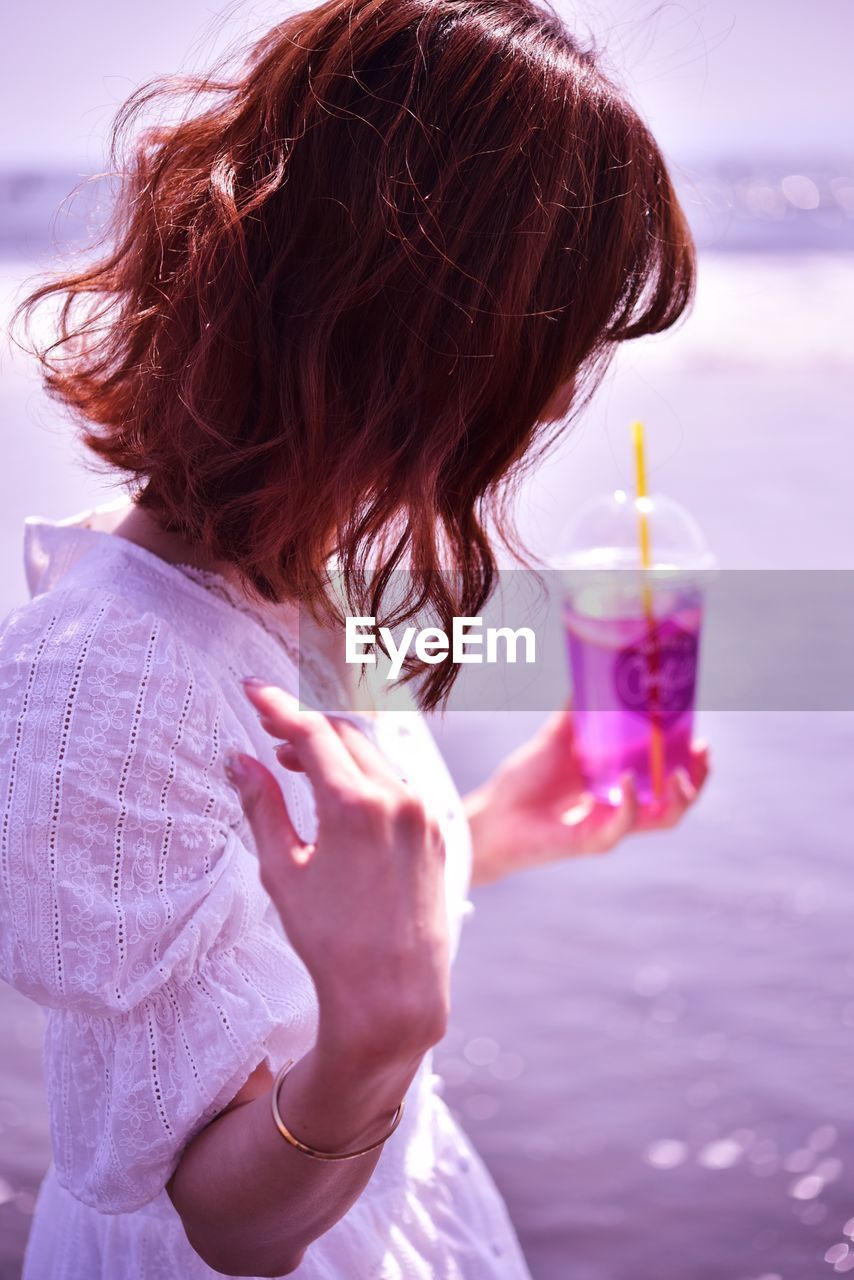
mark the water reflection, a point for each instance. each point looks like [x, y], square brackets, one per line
[667, 1154]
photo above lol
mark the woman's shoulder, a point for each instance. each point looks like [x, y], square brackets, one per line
[112, 736]
[130, 900]
[106, 704]
[64, 635]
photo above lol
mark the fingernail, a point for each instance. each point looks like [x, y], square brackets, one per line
[684, 780]
[233, 766]
[255, 681]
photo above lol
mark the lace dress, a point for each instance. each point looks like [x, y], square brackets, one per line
[131, 909]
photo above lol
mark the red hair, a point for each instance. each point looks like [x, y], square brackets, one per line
[334, 302]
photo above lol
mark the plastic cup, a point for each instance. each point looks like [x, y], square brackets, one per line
[633, 640]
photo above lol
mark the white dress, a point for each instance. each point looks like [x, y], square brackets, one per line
[132, 910]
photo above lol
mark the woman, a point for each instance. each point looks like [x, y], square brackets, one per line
[347, 291]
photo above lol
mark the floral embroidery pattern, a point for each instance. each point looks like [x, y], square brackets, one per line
[131, 908]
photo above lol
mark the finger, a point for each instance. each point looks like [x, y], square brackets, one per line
[560, 729]
[554, 747]
[685, 786]
[622, 818]
[365, 753]
[699, 763]
[276, 837]
[287, 757]
[370, 760]
[610, 824]
[318, 748]
[679, 794]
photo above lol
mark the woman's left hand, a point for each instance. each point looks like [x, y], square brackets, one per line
[536, 809]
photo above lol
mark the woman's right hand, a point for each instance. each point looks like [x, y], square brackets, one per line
[364, 905]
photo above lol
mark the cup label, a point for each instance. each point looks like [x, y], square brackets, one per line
[656, 676]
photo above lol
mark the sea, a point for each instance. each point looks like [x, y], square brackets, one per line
[653, 1050]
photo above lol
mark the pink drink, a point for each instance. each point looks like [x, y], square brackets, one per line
[628, 675]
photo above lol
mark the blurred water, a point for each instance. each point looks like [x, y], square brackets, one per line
[652, 1050]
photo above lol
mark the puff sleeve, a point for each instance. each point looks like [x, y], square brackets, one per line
[130, 901]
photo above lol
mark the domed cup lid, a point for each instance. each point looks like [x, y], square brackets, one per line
[605, 534]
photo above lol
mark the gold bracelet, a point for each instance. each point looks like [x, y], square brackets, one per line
[311, 1151]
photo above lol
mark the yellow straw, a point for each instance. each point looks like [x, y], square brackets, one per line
[656, 742]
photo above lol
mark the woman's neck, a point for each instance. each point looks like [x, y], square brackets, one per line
[138, 525]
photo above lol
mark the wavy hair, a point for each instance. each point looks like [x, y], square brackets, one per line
[335, 296]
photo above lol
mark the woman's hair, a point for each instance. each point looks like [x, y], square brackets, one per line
[336, 296]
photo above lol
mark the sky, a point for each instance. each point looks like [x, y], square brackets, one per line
[714, 77]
